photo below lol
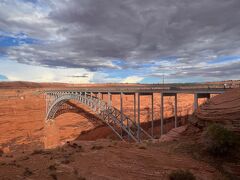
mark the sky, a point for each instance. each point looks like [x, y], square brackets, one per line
[127, 41]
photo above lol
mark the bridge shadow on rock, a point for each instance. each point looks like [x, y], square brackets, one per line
[70, 107]
[103, 131]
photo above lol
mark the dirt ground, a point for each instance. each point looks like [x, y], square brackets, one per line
[104, 159]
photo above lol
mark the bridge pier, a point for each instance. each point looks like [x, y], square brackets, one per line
[134, 106]
[152, 116]
[162, 110]
[138, 122]
[162, 113]
[99, 96]
[198, 96]
[175, 110]
[91, 103]
[109, 99]
[121, 110]
[139, 109]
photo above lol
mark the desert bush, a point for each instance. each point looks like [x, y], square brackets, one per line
[27, 172]
[96, 147]
[54, 176]
[65, 161]
[219, 140]
[181, 175]
[52, 167]
[142, 146]
[81, 178]
[38, 151]
[1, 152]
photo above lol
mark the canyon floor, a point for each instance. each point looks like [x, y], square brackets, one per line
[80, 146]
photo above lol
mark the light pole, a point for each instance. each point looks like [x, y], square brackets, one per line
[163, 79]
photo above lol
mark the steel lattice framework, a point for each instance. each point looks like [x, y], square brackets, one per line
[122, 125]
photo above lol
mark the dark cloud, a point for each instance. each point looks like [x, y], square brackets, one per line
[93, 33]
[230, 70]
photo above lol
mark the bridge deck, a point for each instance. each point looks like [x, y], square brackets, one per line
[141, 90]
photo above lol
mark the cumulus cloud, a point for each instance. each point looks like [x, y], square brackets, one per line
[92, 34]
[132, 79]
[18, 72]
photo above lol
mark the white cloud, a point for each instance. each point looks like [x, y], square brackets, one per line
[104, 78]
[23, 72]
[132, 79]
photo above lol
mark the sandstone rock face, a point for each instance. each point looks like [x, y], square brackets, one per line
[223, 109]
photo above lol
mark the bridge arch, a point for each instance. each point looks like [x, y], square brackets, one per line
[121, 124]
[53, 108]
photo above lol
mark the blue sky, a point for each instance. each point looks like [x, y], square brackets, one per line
[3, 78]
[119, 41]
[18, 40]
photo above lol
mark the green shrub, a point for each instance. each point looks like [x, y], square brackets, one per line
[181, 175]
[219, 140]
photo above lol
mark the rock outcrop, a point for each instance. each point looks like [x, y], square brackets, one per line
[223, 109]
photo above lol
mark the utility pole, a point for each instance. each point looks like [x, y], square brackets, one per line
[163, 79]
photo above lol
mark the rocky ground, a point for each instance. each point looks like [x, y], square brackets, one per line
[224, 109]
[104, 159]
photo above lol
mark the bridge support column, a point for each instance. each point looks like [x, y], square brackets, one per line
[109, 99]
[99, 102]
[80, 98]
[121, 110]
[152, 104]
[138, 123]
[46, 98]
[200, 95]
[195, 101]
[175, 110]
[162, 113]
[134, 106]
[91, 103]
[95, 103]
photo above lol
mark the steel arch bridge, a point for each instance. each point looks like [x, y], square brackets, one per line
[122, 125]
